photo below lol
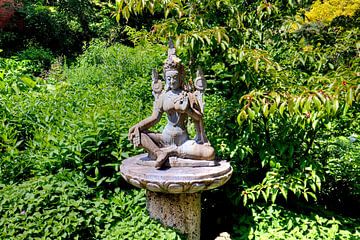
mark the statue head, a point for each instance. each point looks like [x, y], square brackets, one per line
[173, 69]
[172, 79]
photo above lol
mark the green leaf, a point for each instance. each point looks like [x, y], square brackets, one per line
[256, 67]
[317, 102]
[284, 192]
[266, 109]
[289, 224]
[274, 195]
[305, 196]
[281, 108]
[314, 123]
[242, 117]
[99, 182]
[273, 108]
[28, 81]
[126, 12]
[350, 96]
[251, 113]
[312, 195]
[313, 186]
[245, 198]
[318, 182]
[218, 36]
[265, 195]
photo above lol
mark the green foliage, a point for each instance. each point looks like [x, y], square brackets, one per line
[293, 84]
[34, 53]
[63, 206]
[62, 140]
[61, 26]
[341, 188]
[80, 122]
[293, 136]
[275, 222]
[326, 11]
[292, 87]
[17, 75]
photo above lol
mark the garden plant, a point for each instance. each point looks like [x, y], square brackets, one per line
[282, 105]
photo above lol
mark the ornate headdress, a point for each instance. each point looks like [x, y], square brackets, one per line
[173, 63]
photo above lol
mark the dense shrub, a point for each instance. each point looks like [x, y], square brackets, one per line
[80, 122]
[326, 11]
[275, 222]
[63, 206]
[62, 139]
[40, 56]
[290, 84]
[293, 138]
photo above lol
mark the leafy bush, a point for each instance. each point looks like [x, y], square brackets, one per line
[298, 86]
[75, 121]
[275, 222]
[326, 11]
[37, 55]
[17, 75]
[63, 206]
[80, 122]
[61, 26]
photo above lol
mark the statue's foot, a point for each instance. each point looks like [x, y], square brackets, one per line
[163, 154]
[160, 160]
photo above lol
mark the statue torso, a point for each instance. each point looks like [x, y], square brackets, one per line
[175, 105]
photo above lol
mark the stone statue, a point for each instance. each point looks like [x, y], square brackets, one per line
[179, 105]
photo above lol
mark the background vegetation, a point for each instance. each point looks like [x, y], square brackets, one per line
[282, 105]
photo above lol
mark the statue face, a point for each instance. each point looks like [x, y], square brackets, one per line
[172, 79]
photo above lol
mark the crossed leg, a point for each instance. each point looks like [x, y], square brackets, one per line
[154, 144]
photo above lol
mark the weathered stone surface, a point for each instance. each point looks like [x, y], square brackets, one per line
[175, 179]
[180, 101]
[180, 211]
[179, 162]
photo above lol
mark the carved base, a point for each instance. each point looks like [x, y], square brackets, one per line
[180, 211]
[176, 179]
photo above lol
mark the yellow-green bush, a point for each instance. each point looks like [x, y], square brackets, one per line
[326, 10]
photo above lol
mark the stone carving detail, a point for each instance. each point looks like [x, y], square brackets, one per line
[180, 105]
[174, 180]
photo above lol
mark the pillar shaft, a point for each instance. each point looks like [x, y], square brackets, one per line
[180, 211]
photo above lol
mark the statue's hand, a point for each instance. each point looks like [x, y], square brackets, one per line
[133, 132]
[181, 102]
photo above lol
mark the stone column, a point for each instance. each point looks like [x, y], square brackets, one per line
[180, 211]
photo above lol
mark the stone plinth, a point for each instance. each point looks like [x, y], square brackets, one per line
[180, 211]
[174, 194]
[175, 179]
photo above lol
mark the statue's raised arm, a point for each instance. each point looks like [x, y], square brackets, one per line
[179, 105]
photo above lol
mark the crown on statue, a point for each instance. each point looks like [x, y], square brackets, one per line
[173, 63]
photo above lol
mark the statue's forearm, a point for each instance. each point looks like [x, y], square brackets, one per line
[200, 131]
[194, 115]
[148, 122]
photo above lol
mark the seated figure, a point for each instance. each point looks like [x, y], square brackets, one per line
[179, 105]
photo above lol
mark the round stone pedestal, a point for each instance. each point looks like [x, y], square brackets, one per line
[173, 194]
